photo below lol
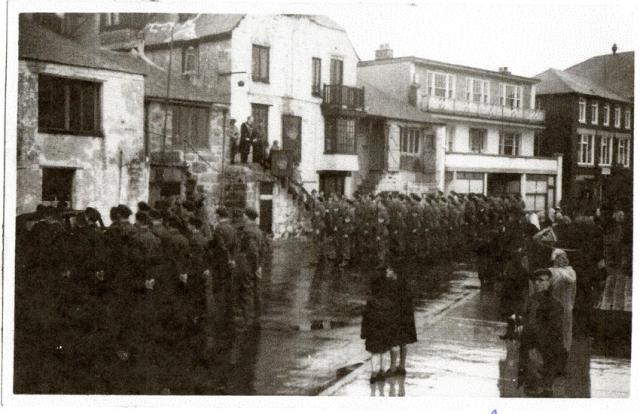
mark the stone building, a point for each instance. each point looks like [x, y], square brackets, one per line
[80, 132]
[490, 121]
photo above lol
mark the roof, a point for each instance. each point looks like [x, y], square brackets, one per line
[381, 104]
[201, 25]
[155, 83]
[449, 66]
[554, 81]
[615, 72]
[207, 25]
[38, 43]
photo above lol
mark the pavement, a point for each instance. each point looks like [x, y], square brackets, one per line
[459, 353]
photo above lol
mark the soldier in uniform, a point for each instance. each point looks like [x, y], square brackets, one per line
[344, 233]
[224, 247]
[381, 235]
[318, 225]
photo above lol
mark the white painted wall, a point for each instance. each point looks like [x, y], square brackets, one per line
[293, 41]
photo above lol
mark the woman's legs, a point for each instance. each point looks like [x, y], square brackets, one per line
[403, 356]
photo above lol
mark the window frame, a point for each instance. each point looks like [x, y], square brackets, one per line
[606, 114]
[316, 76]
[594, 113]
[590, 148]
[627, 119]
[336, 62]
[257, 64]
[609, 147]
[449, 83]
[617, 114]
[193, 112]
[516, 100]
[67, 84]
[625, 145]
[582, 111]
[516, 137]
[196, 59]
[485, 88]
[411, 141]
[483, 138]
[332, 144]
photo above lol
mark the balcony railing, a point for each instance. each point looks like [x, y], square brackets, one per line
[437, 104]
[343, 97]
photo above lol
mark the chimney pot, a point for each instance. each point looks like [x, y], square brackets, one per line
[384, 52]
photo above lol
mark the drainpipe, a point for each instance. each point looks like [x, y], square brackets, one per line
[224, 140]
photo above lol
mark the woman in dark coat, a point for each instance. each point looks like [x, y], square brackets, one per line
[379, 324]
[405, 331]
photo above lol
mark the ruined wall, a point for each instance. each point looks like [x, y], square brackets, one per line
[109, 169]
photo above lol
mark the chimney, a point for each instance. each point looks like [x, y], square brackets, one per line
[614, 48]
[384, 52]
[84, 28]
[504, 70]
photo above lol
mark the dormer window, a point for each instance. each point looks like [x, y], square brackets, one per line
[440, 84]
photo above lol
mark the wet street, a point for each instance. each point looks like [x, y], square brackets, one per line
[310, 342]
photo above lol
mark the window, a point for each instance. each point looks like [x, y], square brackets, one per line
[260, 64]
[616, 117]
[536, 190]
[605, 150]
[336, 72]
[582, 111]
[594, 113]
[190, 60]
[537, 145]
[451, 135]
[627, 119]
[410, 141]
[340, 136]
[316, 76]
[477, 138]
[57, 184]
[585, 149]
[440, 84]
[190, 127]
[291, 136]
[509, 143]
[68, 106]
[477, 90]
[108, 20]
[511, 96]
[260, 114]
[469, 182]
[623, 151]
[605, 115]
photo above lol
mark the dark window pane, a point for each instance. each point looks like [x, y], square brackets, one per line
[51, 98]
[75, 106]
[89, 107]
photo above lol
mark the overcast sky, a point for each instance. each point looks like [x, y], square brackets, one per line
[527, 38]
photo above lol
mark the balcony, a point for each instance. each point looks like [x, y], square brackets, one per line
[341, 99]
[447, 106]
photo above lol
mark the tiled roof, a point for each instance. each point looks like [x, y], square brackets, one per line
[615, 72]
[203, 25]
[38, 43]
[379, 103]
[554, 81]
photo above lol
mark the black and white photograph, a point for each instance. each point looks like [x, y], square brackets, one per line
[421, 199]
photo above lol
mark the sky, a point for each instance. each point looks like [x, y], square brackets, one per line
[527, 38]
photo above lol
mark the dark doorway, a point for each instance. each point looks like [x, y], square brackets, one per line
[57, 184]
[376, 146]
[502, 184]
[266, 207]
[332, 182]
[292, 136]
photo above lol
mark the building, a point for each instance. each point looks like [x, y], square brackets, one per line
[397, 146]
[593, 126]
[295, 74]
[489, 139]
[614, 71]
[80, 132]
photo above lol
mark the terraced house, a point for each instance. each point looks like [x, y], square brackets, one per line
[490, 140]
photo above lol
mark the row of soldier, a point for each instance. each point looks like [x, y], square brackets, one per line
[370, 229]
[132, 308]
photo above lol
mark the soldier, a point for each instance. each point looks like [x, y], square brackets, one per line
[224, 246]
[381, 235]
[344, 233]
[318, 225]
[251, 244]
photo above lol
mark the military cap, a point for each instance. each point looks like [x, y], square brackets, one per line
[416, 197]
[92, 214]
[175, 222]
[124, 211]
[222, 212]
[142, 206]
[195, 222]
[189, 205]
[539, 272]
[142, 217]
[154, 214]
[251, 213]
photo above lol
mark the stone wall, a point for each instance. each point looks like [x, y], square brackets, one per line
[108, 170]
